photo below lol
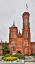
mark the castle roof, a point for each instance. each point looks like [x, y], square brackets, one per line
[19, 34]
[13, 26]
[25, 13]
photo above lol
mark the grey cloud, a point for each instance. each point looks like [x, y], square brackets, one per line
[12, 10]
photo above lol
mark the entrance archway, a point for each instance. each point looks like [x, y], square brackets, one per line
[19, 52]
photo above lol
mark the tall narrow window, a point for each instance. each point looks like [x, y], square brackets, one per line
[14, 48]
[19, 41]
[34, 46]
[25, 43]
[0, 47]
[25, 22]
[25, 34]
[15, 35]
[11, 34]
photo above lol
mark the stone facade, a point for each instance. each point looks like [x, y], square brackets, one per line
[0, 49]
[21, 43]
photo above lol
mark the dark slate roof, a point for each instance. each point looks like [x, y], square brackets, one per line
[13, 26]
[25, 13]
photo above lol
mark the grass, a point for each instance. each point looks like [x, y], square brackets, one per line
[33, 57]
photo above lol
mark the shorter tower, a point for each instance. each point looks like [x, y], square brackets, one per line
[13, 30]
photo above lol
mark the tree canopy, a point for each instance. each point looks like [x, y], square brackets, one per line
[5, 48]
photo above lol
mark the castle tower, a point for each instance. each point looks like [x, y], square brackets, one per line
[26, 33]
[13, 38]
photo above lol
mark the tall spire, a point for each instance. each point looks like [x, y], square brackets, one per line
[1, 40]
[13, 23]
[19, 32]
[26, 7]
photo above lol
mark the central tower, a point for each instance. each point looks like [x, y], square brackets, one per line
[26, 33]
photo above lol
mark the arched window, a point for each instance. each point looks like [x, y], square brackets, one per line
[15, 35]
[14, 48]
[19, 41]
[11, 34]
[26, 34]
[25, 43]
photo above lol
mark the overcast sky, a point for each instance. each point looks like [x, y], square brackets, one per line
[12, 10]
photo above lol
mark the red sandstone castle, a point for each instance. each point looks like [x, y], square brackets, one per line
[20, 43]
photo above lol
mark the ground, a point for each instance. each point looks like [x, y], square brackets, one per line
[27, 59]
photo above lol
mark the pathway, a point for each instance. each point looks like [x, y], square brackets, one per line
[29, 59]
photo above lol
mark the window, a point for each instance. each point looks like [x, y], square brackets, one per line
[25, 43]
[0, 47]
[11, 34]
[25, 22]
[14, 48]
[19, 46]
[34, 46]
[15, 35]
[25, 34]
[19, 41]
[0, 52]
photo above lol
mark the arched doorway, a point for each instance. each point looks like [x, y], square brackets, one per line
[19, 52]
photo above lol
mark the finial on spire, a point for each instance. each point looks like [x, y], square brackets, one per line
[13, 23]
[1, 40]
[26, 7]
[19, 31]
